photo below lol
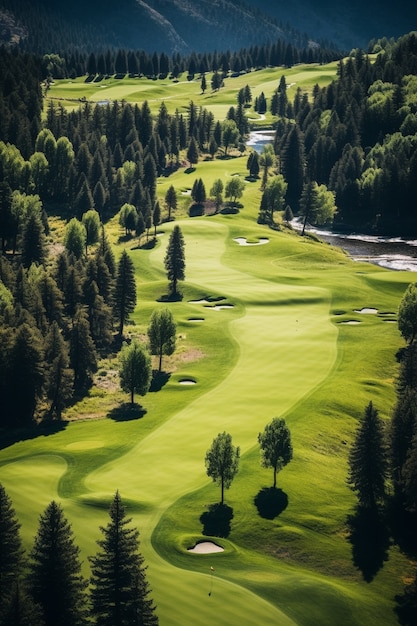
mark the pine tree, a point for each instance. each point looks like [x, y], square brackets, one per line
[403, 425]
[410, 477]
[59, 376]
[171, 200]
[368, 462]
[54, 577]
[21, 610]
[174, 261]
[120, 590]
[33, 241]
[124, 295]
[11, 552]
[83, 357]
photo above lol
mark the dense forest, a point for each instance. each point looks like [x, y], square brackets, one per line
[356, 137]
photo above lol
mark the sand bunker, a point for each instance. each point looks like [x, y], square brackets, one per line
[187, 381]
[242, 241]
[196, 319]
[351, 322]
[219, 307]
[366, 311]
[205, 547]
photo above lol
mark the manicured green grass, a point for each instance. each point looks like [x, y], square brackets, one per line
[177, 95]
[279, 350]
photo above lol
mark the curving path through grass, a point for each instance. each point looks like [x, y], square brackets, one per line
[283, 336]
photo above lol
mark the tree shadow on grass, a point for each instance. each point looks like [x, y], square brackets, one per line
[216, 521]
[126, 412]
[171, 297]
[406, 608]
[10, 436]
[270, 502]
[159, 379]
[370, 539]
[403, 526]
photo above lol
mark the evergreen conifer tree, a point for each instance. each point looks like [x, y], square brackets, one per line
[174, 261]
[124, 295]
[368, 463]
[11, 551]
[54, 577]
[83, 356]
[120, 590]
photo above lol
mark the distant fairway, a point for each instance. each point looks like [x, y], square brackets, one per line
[263, 331]
[178, 94]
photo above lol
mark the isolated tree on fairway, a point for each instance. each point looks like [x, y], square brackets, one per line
[161, 334]
[407, 313]
[135, 370]
[222, 461]
[276, 448]
[120, 591]
[171, 200]
[124, 296]
[174, 261]
[54, 578]
[11, 551]
[368, 463]
[234, 189]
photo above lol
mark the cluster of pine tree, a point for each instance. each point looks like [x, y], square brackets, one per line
[47, 587]
[55, 320]
[358, 136]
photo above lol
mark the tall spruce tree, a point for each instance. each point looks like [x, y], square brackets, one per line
[368, 461]
[175, 261]
[54, 577]
[59, 376]
[403, 425]
[83, 356]
[11, 551]
[119, 587]
[124, 295]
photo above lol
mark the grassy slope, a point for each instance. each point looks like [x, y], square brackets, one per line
[280, 351]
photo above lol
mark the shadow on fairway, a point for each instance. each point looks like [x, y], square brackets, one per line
[370, 541]
[159, 379]
[216, 521]
[173, 297]
[9, 438]
[403, 526]
[270, 502]
[126, 412]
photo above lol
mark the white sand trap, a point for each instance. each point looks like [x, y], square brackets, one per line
[202, 301]
[206, 547]
[187, 381]
[351, 322]
[220, 307]
[242, 241]
[196, 319]
[366, 311]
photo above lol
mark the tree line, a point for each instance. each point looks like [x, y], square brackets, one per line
[357, 136]
[47, 587]
[58, 319]
[383, 458]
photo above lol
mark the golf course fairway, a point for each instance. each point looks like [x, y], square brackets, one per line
[269, 343]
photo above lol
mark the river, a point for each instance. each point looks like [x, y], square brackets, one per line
[392, 253]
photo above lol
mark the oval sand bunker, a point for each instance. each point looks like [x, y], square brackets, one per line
[205, 547]
[187, 381]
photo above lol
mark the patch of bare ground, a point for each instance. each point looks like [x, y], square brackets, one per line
[107, 379]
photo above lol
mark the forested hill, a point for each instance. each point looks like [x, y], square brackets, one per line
[170, 26]
[167, 26]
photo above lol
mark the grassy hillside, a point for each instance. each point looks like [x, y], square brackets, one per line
[285, 346]
[178, 94]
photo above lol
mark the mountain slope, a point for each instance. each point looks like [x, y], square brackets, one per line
[185, 25]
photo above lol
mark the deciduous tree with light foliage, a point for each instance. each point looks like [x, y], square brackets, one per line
[161, 334]
[276, 448]
[135, 370]
[222, 461]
